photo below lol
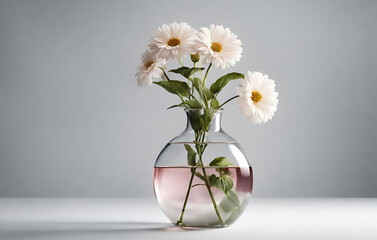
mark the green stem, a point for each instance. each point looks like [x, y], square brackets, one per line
[164, 73]
[186, 198]
[205, 76]
[179, 95]
[198, 184]
[230, 99]
[212, 197]
[180, 222]
[195, 98]
[192, 83]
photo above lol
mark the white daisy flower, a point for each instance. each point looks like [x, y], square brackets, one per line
[218, 46]
[258, 99]
[173, 41]
[149, 68]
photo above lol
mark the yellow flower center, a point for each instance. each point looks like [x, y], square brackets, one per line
[174, 42]
[216, 47]
[256, 96]
[148, 64]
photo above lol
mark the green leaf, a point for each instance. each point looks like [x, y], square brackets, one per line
[210, 115]
[193, 104]
[208, 94]
[214, 103]
[178, 105]
[224, 183]
[195, 118]
[185, 71]
[199, 175]
[188, 104]
[197, 82]
[191, 155]
[223, 171]
[202, 123]
[230, 201]
[175, 87]
[221, 161]
[212, 180]
[220, 83]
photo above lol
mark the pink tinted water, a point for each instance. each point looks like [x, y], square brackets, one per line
[171, 184]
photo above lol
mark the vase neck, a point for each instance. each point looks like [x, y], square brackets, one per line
[203, 125]
[198, 119]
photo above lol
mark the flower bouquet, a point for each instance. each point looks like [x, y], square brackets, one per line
[201, 177]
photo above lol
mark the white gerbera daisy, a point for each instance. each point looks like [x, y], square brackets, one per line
[173, 41]
[258, 99]
[218, 46]
[149, 68]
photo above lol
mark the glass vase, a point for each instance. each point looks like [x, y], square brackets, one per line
[201, 178]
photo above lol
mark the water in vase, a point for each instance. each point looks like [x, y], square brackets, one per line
[174, 184]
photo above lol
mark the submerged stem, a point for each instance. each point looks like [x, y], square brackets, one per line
[179, 222]
[212, 197]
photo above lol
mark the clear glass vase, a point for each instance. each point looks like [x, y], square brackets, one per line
[201, 177]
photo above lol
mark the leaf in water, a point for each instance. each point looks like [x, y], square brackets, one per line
[223, 171]
[224, 183]
[221, 161]
[212, 180]
[185, 71]
[220, 83]
[191, 155]
[232, 195]
[229, 202]
[236, 212]
[175, 87]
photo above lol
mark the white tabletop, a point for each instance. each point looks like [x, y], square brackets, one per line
[142, 219]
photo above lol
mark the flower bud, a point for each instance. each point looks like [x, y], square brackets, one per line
[195, 57]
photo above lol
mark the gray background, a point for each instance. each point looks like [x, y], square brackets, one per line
[74, 124]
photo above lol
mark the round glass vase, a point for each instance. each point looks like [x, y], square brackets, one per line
[201, 177]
